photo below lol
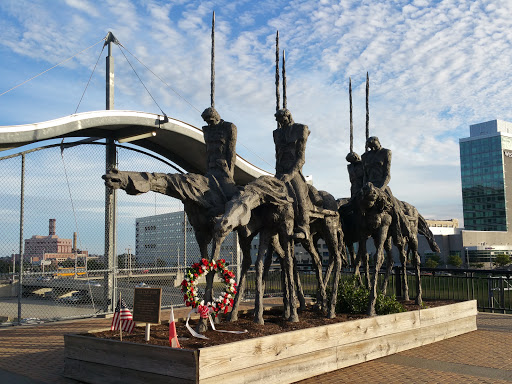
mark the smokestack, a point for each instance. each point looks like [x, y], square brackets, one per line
[74, 243]
[52, 227]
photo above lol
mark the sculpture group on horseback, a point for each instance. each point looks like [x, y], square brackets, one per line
[285, 210]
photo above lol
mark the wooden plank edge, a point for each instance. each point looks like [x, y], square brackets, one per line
[358, 352]
[251, 352]
[281, 371]
[319, 362]
[94, 373]
[447, 313]
[367, 350]
[141, 357]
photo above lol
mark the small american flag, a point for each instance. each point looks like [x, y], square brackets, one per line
[122, 318]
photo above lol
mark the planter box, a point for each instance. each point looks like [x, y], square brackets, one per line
[283, 358]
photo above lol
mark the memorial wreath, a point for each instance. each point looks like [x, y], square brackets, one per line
[190, 289]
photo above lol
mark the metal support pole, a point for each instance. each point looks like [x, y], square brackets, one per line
[22, 206]
[184, 240]
[490, 294]
[110, 229]
[109, 293]
[13, 265]
[502, 295]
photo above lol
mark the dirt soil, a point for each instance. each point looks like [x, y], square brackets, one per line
[274, 323]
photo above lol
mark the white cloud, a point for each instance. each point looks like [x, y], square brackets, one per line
[434, 69]
[84, 6]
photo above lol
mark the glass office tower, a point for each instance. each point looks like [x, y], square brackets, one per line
[486, 174]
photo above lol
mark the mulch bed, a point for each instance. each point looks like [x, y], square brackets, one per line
[274, 323]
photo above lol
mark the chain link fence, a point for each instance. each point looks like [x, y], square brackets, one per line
[53, 214]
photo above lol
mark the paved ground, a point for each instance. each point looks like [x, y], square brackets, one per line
[35, 354]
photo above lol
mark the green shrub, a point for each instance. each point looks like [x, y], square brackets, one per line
[436, 257]
[388, 304]
[454, 260]
[430, 263]
[502, 260]
[354, 298]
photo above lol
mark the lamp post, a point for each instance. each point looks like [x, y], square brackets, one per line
[13, 264]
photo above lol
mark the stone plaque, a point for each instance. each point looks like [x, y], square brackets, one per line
[146, 305]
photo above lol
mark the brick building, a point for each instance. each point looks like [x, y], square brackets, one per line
[51, 247]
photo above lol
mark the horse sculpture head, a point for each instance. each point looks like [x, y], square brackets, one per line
[372, 198]
[237, 214]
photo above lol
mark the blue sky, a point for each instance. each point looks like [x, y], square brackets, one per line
[435, 68]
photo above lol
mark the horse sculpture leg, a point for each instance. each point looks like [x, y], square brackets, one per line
[203, 239]
[403, 266]
[287, 246]
[389, 263]
[334, 236]
[260, 287]
[276, 247]
[357, 266]
[300, 291]
[363, 257]
[352, 258]
[245, 244]
[331, 312]
[321, 294]
[413, 247]
[379, 241]
[286, 290]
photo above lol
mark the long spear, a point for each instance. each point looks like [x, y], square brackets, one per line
[212, 81]
[278, 102]
[284, 80]
[351, 122]
[367, 107]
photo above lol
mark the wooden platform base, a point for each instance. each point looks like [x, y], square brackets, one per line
[283, 358]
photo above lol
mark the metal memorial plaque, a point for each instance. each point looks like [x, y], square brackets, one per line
[146, 305]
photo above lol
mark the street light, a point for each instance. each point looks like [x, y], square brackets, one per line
[13, 264]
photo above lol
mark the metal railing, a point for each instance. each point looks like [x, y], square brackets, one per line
[491, 288]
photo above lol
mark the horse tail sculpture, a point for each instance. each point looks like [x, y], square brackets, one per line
[425, 231]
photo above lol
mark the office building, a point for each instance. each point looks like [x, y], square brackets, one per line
[168, 240]
[486, 175]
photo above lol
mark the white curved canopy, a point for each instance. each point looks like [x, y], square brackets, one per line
[181, 143]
